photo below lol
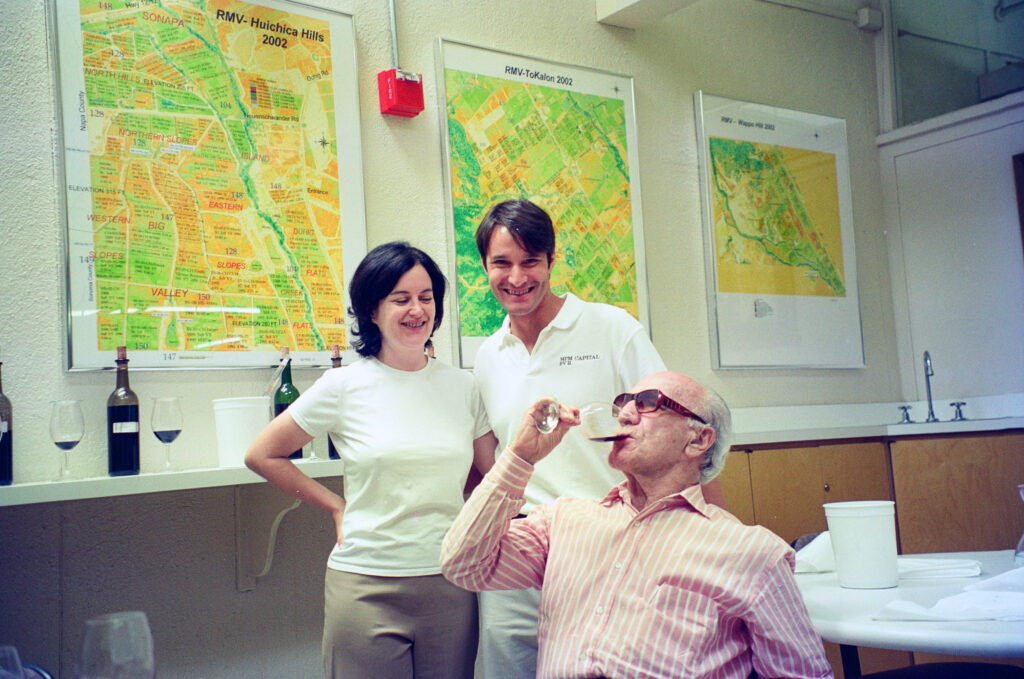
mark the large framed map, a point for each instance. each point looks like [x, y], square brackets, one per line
[213, 180]
[561, 136]
[779, 246]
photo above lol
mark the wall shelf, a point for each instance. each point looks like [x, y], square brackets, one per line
[107, 486]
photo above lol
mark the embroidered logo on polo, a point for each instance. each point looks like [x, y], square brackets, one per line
[568, 360]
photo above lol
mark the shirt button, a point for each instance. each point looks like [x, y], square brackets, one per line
[583, 657]
[600, 610]
[618, 565]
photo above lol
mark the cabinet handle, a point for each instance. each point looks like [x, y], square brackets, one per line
[827, 489]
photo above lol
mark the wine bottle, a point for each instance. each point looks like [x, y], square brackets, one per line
[332, 452]
[6, 435]
[122, 423]
[286, 393]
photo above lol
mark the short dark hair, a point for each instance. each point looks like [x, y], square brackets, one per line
[529, 225]
[375, 278]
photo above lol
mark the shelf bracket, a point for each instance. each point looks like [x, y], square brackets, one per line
[259, 509]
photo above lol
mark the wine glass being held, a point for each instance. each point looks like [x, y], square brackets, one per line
[118, 646]
[537, 435]
[166, 423]
[67, 427]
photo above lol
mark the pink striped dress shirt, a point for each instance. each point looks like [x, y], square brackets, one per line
[679, 589]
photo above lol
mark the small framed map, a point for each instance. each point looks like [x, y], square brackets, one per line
[212, 180]
[561, 136]
[779, 245]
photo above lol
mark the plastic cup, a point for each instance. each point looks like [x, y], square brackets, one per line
[863, 538]
[238, 421]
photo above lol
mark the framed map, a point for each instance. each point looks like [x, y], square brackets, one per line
[781, 272]
[561, 136]
[212, 180]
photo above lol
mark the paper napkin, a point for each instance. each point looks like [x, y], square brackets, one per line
[971, 605]
[817, 557]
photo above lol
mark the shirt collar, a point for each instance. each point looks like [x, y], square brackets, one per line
[691, 496]
[563, 320]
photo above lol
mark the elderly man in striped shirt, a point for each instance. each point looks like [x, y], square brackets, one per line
[652, 581]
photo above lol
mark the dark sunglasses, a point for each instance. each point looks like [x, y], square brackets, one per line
[649, 400]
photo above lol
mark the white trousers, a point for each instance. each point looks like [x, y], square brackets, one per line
[508, 635]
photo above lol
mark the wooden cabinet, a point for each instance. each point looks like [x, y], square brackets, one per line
[958, 493]
[783, 488]
[952, 493]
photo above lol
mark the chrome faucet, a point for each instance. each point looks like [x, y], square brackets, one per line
[928, 372]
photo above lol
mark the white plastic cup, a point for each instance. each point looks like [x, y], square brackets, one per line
[238, 421]
[863, 538]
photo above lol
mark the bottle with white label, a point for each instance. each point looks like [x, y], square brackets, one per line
[122, 423]
[6, 437]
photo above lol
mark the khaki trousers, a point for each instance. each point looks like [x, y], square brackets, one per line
[397, 628]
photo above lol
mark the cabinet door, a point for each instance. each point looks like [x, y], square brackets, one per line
[959, 493]
[789, 485]
[787, 490]
[735, 481]
[855, 471]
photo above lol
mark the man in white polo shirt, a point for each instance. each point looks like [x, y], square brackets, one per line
[564, 347]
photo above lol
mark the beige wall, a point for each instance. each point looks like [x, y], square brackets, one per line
[184, 555]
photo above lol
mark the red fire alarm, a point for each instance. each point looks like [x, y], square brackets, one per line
[401, 92]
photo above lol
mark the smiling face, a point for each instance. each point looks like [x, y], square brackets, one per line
[519, 280]
[405, 316]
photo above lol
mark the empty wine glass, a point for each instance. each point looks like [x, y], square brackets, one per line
[600, 422]
[118, 646]
[67, 427]
[166, 424]
[548, 417]
[1018, 554]
[10, 663]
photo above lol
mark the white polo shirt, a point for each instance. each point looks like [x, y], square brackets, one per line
[588, 352]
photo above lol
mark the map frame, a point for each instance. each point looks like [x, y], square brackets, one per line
[75, 191]
[764, 329]
[516, 68]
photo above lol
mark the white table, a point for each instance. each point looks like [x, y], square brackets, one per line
[843, 616]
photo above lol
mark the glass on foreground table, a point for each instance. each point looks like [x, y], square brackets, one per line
[117, 646]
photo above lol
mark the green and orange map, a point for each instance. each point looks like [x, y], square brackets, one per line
[776, 219]
[213, 177]
[564, 149]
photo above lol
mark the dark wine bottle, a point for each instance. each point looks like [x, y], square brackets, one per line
[122, 423]
[286, 393]
[332, 452]
[6, 436]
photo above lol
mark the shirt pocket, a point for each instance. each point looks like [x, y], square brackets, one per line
[682, 625]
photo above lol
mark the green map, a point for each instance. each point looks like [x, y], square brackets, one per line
[776, 212]
[565, 151]
[213, 171]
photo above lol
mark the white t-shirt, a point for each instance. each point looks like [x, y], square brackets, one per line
[405, 440]
[588, 352]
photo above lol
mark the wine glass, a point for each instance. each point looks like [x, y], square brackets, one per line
[118, 646]
[546, 418]
[1018, 554]
[166, 424]
[600, 422]
[10, 663]
[67, 427]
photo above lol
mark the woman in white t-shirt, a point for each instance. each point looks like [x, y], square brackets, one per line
[407, 429]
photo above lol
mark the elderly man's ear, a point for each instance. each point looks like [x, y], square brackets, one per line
[704, 440]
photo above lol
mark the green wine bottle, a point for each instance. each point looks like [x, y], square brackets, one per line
[6, 437]
[286, 393]
[332, 452]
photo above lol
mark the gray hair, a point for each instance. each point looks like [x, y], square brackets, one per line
[716, 412]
